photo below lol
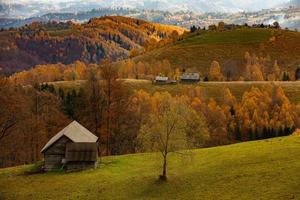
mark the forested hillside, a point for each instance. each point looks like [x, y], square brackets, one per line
[116, 110]
[106, 37]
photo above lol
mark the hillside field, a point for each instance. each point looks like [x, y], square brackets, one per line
[266, 169]
[228, 48]
[210, 89]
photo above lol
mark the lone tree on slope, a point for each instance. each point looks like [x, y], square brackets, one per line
[171, 128]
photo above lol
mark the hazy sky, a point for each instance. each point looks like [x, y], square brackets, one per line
[244, 3]
[193, 5]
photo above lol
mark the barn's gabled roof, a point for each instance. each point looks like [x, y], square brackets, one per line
[75, 132]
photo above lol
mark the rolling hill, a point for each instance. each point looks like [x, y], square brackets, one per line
[266, 169]
[228, 48]
[105, 37]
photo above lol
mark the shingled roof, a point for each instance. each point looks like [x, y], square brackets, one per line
[75, 132]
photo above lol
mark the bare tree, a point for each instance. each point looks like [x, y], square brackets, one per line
[110, 75]
[10, 106]
[95, 102]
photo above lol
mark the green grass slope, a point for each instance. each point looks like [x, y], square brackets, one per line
[229, 47]
[267, 169]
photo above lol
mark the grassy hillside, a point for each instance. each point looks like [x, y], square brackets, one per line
[228, 48]
[210, 89]
[267, 169]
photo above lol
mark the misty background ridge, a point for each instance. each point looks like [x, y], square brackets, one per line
[26, 8]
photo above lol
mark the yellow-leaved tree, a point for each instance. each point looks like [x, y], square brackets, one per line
[171, 126]
[215, 73]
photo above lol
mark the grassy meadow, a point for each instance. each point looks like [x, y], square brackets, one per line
[266, 169]
[228, 48]
[237, 36]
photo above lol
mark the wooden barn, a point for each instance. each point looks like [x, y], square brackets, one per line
[73, 148]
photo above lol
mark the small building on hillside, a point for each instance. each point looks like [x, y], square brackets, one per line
[229, 26]
[73, 148]
[190, 77]
[163, 80]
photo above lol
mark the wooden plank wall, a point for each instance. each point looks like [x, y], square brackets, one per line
[55, 153]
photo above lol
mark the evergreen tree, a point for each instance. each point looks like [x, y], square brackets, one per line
[257, 134]
[297, 74]
[285, 77]
[280, 132]
[61, 93]
[287, 131]
[271, 133]
[265, 133]
[70, 104]
[193, 29]
[250, 134]
[238, 133]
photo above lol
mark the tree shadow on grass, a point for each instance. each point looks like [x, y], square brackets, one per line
[157, 188]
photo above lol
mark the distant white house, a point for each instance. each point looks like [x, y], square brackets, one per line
[164, 80]
[190, 77]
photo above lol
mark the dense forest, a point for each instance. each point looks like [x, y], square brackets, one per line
[105, 106]
[90, 42]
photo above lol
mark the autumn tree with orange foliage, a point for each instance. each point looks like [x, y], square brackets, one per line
[253, 71]
[50, 73]
[264, 113]
[11, 103]
[28, 115]
[94, 103]
[130, 69]
[215, 73]
[113, 92]
[171, 126]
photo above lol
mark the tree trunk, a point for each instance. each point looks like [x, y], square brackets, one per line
[108, 119]
[108, 131]
[163, 177]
